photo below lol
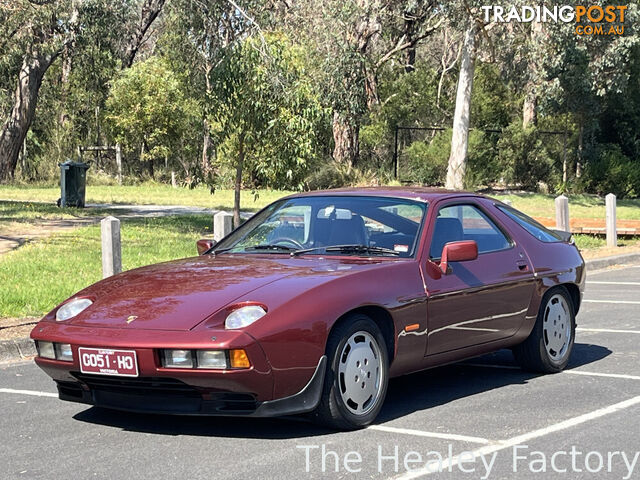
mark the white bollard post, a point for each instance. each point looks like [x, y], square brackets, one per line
[562, 213]
[111, 249]
[612, 233]
[222, 225]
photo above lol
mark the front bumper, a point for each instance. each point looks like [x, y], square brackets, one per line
[158, 389]
[164, 395]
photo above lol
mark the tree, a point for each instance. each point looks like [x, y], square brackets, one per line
[460, 138]
[41, 30]
[265, 111]
[149, 11]
[196, 33]
[352, 40]
[149, 111]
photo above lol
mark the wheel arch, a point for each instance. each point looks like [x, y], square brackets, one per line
[574, 293]
[382, 317]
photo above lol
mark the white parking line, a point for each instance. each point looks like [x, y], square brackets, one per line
[622, 302]
[520, 439]
[598, 374]
[605, 330]
[420, 433]
[29, 392]
[612, 283]
[570, 372]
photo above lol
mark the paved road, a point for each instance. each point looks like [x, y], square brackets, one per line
[486, 407]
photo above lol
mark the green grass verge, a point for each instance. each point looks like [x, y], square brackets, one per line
[39, 275]
[147, 194]
[587, 242]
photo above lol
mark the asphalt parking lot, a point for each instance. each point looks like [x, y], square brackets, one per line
[484, 418]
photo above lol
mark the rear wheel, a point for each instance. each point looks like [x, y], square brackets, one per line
[357, 375]
[549, 346]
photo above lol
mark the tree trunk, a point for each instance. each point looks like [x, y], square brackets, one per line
[15, 129]
[206, 145]
[206, 140]
[529, 108]
[580, 148]
[460, 139]
[150, 11]
[529, 115]
[371, 88]
[346, 133]
[67, 63]
[238, 182]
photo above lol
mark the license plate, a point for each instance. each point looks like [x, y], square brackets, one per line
[105, 361]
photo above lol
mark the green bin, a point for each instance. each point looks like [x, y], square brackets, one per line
[73, 180]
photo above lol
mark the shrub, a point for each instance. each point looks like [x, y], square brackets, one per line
[611, 171]
[523, 157]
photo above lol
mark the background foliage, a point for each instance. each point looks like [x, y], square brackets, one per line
[282, 81]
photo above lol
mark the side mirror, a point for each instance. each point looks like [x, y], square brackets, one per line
[204, 244]
[462, 251]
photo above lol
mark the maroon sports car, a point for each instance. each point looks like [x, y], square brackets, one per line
[315, 302]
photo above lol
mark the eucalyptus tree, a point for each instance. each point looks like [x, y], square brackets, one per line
[264, 110]
[34, 34]
[351, 41]
[197, 32]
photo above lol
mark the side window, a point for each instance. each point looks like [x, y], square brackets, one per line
[530, 225]
[466, 222]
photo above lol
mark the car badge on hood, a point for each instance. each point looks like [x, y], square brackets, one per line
[131, 318]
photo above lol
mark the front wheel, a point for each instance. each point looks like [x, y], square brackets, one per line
[549, 346]
[356, 381]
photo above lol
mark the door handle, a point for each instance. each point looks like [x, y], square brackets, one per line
[522, 266]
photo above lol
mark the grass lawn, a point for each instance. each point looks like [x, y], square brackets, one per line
[580, 206]
[533, 204]
[39, 275]
[147, 194]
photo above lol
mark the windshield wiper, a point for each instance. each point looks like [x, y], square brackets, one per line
[355, 248]
[267, 246]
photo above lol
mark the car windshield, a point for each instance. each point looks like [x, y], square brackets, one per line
[336, 225]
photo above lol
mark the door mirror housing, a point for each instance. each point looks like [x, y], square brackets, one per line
[204, 245]
[462, 251]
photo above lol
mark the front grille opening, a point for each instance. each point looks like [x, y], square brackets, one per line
[138, 386]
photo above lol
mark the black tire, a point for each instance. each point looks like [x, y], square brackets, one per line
[333, 411]
[535, 354]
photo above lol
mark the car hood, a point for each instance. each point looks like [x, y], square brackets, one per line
[178, 295]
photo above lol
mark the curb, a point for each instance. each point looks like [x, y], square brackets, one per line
[600, 263]
[16, 349]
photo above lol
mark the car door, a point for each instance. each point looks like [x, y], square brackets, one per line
[480, 300]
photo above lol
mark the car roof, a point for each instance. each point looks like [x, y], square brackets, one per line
[425, 194]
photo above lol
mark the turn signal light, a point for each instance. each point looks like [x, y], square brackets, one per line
[238, 358]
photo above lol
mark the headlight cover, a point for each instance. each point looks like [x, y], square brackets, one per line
[244, 316]
[72, 308]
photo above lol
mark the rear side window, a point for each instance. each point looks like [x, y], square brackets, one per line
[530, 225]
[466, 222]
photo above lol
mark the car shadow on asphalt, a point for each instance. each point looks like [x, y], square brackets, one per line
[460, 380]
[441, 386]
